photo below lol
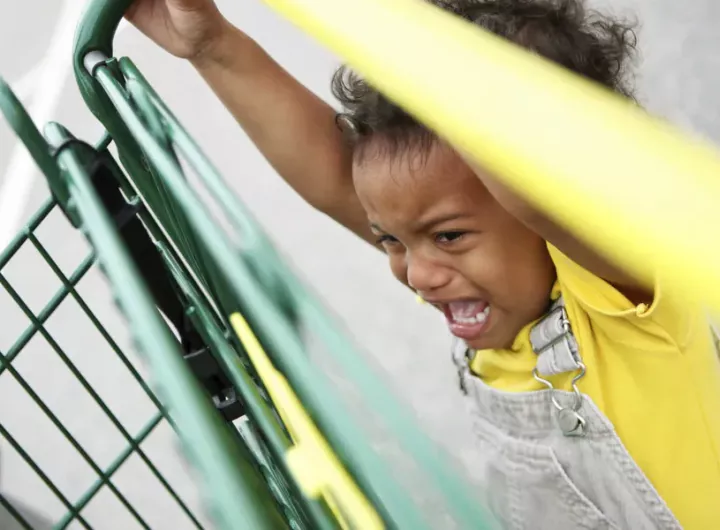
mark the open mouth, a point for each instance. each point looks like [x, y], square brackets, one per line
[467, 319]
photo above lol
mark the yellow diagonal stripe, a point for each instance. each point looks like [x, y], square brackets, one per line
[634, 187]
[312, 461]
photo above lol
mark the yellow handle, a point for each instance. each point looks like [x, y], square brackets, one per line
[630, 185]
[311, 460]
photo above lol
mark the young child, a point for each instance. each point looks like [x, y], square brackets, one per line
[596, 399]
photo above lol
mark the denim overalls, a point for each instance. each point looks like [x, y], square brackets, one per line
[550, 460]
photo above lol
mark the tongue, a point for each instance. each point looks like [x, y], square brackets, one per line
[467, 309]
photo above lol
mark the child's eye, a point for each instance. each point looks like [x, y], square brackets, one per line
[449, 237]
[386, 239]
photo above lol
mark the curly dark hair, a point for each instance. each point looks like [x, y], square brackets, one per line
[587, 42]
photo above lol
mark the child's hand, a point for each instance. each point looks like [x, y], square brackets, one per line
[188, 29]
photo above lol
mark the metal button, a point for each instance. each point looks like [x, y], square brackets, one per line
[571, 423]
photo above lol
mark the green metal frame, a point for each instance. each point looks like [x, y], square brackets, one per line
[245, 477]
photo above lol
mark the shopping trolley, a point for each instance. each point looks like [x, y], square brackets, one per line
[284, 422]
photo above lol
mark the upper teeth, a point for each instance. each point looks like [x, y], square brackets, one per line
[480, 317]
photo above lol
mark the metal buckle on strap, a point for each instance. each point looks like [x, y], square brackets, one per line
[554, 343]
[556, 314]
[557, 350]
[569, 419]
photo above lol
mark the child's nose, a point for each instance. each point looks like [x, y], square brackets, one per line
[426, 275]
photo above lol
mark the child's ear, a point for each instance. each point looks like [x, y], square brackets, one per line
[349, 126]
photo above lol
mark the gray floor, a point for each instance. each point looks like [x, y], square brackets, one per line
[679, 78]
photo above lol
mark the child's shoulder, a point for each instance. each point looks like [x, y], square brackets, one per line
[662, 321]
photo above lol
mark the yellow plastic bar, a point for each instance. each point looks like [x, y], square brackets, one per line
[631, 185]
[311, 460]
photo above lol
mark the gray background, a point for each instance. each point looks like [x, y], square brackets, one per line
[678, 77]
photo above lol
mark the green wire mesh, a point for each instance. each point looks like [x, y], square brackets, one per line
[104, 474]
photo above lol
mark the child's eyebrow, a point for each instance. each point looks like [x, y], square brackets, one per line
[425, 224]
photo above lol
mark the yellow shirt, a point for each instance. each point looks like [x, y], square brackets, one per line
[653, 371]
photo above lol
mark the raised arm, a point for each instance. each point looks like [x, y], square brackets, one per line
[292, 127]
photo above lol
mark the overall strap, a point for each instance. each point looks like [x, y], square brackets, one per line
[557, 352]
[553, 341]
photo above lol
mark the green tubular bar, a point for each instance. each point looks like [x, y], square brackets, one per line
[240, 497]
[271, 324]
[95, 33]
[258, 409]
[228, 480]
[246, 479]
[256, 248]
[253, 291]
[259, 252]
[276, 331]
[138, 130]
[186, 281]
[257, 513]
[190, 283]
[19, 120]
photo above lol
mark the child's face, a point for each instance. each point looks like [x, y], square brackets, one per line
[450, 241]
